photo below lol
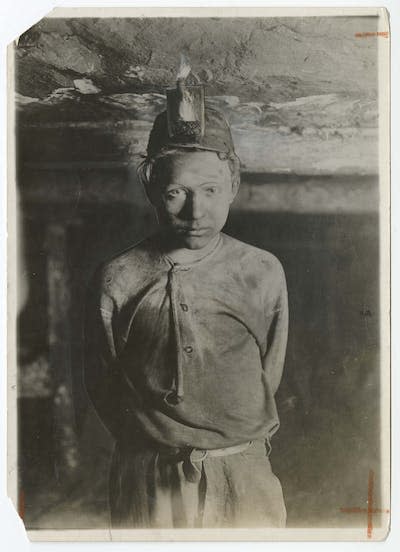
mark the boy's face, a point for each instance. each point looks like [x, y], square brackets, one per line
[192, 197]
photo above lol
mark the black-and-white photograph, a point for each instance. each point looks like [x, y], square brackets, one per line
[200, 338]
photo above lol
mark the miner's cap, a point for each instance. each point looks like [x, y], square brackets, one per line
[216, 136]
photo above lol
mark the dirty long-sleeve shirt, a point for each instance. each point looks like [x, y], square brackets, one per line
[187, 355]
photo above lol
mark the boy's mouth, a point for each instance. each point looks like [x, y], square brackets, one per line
[193, 231]
[196, 231]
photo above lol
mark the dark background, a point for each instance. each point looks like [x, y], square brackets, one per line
[302, 105]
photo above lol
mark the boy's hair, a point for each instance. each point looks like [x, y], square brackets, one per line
[147, 174]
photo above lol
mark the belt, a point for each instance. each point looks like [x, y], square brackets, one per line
[193, 458]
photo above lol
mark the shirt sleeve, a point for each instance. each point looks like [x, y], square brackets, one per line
[101, 377]
[273, 360]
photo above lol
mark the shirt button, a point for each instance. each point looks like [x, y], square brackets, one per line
[188, 349]
[184, 307]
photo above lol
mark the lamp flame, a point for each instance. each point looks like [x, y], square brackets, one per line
[184, 68]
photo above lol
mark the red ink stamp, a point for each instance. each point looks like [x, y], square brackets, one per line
[369, 510]
[385, 34]
[21, 504]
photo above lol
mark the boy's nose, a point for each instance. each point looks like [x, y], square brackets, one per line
[196, 206]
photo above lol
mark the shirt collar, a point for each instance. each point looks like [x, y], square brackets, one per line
[197, 262]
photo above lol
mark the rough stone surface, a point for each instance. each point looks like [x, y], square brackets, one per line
[263, 59]
[300, 93]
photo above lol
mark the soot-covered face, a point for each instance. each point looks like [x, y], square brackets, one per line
[192, 193]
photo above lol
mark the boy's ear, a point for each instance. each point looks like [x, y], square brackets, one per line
[144, 174]
[235, 186]
[152, 193]
[235, 177]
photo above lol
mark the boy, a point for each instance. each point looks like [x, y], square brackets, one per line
[186, 336]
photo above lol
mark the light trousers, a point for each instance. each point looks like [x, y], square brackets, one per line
[152, 489]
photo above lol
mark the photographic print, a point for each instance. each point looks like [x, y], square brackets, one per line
[199, 284]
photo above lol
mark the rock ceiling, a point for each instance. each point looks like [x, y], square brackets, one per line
[300, 93]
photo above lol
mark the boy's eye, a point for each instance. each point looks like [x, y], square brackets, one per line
[211, 189]
[172, 194]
